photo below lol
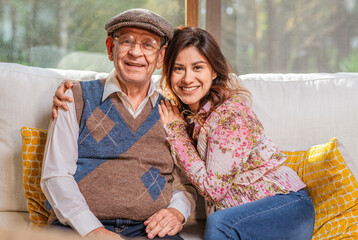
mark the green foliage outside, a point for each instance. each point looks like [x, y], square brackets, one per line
[42, 32]
[289, 35]
[350, 64]
[257, 35]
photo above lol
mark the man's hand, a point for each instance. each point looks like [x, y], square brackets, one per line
[164, 222]
[61, 96]
[103, 234]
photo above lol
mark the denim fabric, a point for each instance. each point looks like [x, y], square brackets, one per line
[283, 216]
[125, 228]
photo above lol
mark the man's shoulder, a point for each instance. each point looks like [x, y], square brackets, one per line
[161, 96]
[91, 87]
[91, 83]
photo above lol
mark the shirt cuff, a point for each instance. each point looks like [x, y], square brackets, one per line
[85, 222]
[181, 203]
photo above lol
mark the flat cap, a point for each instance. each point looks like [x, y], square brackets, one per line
[141, 18]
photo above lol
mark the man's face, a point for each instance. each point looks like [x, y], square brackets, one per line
[132, 65]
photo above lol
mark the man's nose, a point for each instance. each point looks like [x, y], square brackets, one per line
[136, 50]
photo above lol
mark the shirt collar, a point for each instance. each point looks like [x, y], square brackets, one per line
[111, 85]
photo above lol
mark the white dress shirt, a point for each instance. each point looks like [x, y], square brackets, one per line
[60, 163]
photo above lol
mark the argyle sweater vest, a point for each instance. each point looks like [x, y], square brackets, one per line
[124, 167]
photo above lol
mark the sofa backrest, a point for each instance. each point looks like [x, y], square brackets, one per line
[297, 111]
[302, 110]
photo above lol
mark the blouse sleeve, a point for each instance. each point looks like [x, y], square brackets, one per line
[229, 138]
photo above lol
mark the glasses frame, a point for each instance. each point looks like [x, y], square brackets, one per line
[116, 38]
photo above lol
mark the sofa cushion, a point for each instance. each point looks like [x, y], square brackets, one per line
[11, 219]
[332, 187]
[22, 232]
[33, 145]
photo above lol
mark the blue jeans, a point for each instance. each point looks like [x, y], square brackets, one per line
[124, 227]
[284, 216]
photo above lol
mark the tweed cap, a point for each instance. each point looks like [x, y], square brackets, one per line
[141, 18]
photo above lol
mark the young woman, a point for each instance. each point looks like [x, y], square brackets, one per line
[221, 145]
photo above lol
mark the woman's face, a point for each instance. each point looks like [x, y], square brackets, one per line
[192, 77]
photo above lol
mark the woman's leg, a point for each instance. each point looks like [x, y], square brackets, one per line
[288, 217]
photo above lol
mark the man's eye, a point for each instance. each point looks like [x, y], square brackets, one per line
[126, 42]
[148, 45]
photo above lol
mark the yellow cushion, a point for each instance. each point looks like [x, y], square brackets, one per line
[33, 145]
[332, 187]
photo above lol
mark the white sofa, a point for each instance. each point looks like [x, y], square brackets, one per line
[297, 110]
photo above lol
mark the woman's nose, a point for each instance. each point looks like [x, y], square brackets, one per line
[188, 77]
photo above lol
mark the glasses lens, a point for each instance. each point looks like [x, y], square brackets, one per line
[125, 42]
[149, 46]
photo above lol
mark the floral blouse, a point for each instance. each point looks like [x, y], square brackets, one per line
[234, 162]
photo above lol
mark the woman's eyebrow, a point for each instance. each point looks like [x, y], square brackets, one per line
[198, 62]
[194, 63]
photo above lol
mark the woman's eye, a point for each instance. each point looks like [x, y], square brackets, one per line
[198, 67]
[177, 69]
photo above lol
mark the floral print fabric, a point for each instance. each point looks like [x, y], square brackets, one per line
[234, 162]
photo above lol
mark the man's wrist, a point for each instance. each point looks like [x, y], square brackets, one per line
[181, 203]
[85, 222]
[177, 213]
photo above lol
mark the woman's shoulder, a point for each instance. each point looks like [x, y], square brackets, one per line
[235, 104]
[235, 109]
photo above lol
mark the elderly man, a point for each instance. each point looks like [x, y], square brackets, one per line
[107, 170]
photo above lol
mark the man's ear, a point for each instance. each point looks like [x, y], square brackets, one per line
[161, 57]
[110, 46]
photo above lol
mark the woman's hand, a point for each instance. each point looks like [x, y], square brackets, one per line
[169, 112]
[61, 96]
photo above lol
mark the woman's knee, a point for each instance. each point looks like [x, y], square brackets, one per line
[216, 226]
[214, 220]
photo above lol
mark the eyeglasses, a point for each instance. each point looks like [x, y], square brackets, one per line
[148, 46]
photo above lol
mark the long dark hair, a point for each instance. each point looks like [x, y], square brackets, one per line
[223, 85]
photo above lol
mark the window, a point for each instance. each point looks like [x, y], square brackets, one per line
[285, 36]
[68, 34]
[256, 36]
